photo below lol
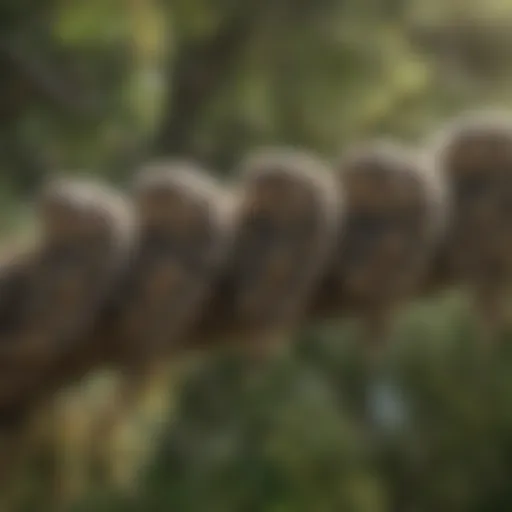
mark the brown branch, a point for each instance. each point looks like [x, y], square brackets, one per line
[199, 72]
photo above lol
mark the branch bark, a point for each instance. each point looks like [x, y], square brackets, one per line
[199, 72]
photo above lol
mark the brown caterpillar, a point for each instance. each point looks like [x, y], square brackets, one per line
[69, 275]
[285, 210]
[52, 295]
[183, 233]
[394, 216]
[473, 154]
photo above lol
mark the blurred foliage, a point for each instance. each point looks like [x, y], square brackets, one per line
[290, 437]
[101, 85]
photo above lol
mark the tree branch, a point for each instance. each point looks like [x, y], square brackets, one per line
[199, 72]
